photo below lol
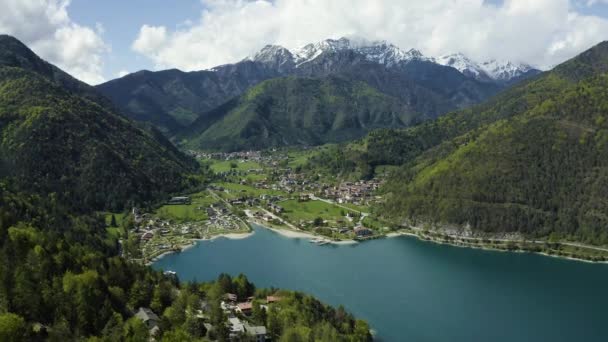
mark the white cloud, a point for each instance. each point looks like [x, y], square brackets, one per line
[45, 26]
[150, 40]
[541, 32]
[122, 73]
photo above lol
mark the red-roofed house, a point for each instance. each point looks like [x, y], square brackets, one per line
[244, 308]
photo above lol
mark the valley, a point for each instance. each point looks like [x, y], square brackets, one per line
[271, 189]
[413, 194]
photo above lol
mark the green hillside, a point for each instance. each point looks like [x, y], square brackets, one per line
[53, 141]
[61, 280]
[297, 111]
[532, 160]
[535, 161]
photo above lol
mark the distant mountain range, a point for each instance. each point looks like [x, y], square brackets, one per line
[173, 100]
[389, 55]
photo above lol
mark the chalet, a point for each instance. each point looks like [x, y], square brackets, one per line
[179, 200]
[245, 308]
[150, 319]
[147, 236]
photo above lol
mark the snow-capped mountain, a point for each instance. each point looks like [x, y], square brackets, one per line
[276, 57]
[389, 55]
[465, 65]
[505, 70]
[493, 70]
[380, 52]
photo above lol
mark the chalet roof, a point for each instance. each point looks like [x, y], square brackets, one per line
[256, 330]
[245, 306]
[146, 315]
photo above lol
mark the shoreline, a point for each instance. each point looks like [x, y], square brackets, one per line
[194, 242]
[475, 245]
[296, 234]
[299, 234]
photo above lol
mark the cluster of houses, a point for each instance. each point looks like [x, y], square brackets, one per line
[239, 314]
[248, 155]
[359, 193]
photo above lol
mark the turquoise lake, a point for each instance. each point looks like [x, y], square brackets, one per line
[411, 290]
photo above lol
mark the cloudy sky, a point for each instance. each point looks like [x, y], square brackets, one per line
[100, 40]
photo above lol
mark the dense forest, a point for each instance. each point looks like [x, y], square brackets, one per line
[60, 280]
[532, 160]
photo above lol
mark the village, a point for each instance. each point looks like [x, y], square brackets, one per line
[251, 187]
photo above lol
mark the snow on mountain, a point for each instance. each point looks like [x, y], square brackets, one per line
[496, 70]
[387, 54]
[505, 70]
[275, 56]
[463, 64]
[377, 51]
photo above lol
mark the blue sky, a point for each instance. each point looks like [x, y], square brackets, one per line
[98, 40]
[122, 20]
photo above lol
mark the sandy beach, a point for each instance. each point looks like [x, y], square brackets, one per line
[293, 234]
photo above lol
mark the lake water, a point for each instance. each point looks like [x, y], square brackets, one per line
[411, 290]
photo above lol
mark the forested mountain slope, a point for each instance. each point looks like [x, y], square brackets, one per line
[532, 160]
[298, 111]
[55, 139]
[13, 53]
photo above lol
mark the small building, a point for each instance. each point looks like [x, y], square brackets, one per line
[180, 200]
[236, 327]
[304, 198]
[150, 319]
[245, 308]
[147, 236]
[257, 332]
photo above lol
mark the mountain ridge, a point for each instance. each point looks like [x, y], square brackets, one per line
[172, 100]
[56, 139]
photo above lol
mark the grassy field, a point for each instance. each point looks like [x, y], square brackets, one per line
[299, 157]
[189, 212]
[308, 211]
[358, 208]
[226, 165]
[238, 190]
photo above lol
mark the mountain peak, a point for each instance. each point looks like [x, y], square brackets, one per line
[492, 70]
[464, 64]
[379, 51]
[504, 70]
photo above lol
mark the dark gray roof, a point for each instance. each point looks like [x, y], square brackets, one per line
[146, 315]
